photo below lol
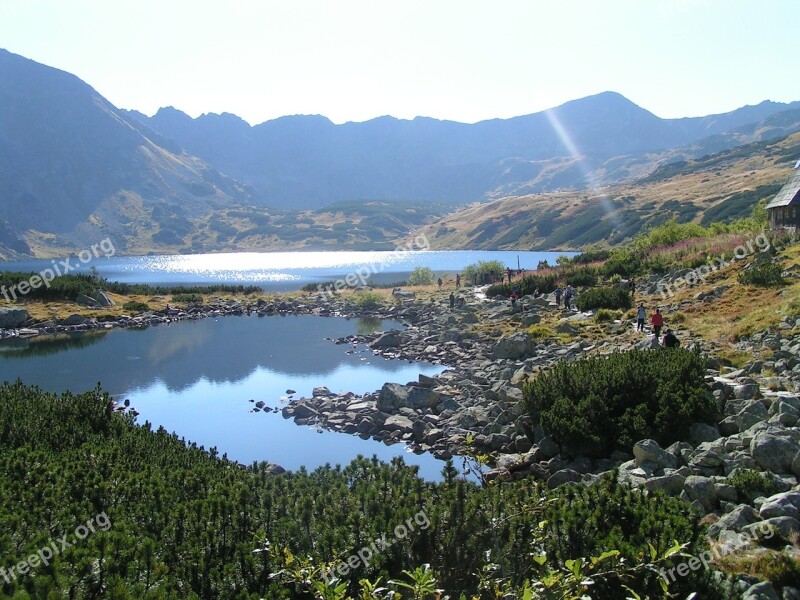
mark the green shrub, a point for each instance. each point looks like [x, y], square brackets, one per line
[368, 299]
[421, 276]
[587, 256]
[624, 263]
[605, 297]
[587, 521]
[750, 483]
[765, 274]
[605, 315]
[65, 287]
[593, 406]
[484, 271]
[779, 568]
[188, 298]
[135, 306]
[585, 277]
[527, 286]
[65, 458]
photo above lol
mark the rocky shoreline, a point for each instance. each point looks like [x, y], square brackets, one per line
[473, 406]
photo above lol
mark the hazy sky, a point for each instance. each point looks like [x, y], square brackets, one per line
[465, 60]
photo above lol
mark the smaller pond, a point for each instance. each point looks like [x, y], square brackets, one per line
[197, 378]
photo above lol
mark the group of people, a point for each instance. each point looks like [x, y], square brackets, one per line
[460, 301]
[657, 322]
[568, 293]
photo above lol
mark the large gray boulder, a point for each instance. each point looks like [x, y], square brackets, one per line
[74, 320]
[390, 339]
[85, 300]
[649, 453]
[102, 298]
[702, 432]
[741, 516]
[563, 476]
[753, 413]
[785, 504]
[512, 346]
[670, 484]
[394, 396]
[11, 318]
[773, 453]
[703, 490]
[761, 591]
[398, 423]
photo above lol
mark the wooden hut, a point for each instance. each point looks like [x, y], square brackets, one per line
[784, 209]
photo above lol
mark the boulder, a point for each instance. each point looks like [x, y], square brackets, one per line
[701, 489]
[648, 451]
[398, 423]
[702, 432]
[747, 391]
[74, 320]
[784, 527]
[529, 319]
[786, 504]
[390, 339]
[394, 396]
[102, 298]
[753, 413]
[773, 453]
[670, 484]
[761, 591]
[563, 476]
[11, 318]
[85, 300]
[741, 516]
[513, 346]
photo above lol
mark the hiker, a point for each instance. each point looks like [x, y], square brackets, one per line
[536, 293]
[640, 317]
[567, 296]
[513, 299]
[670, 340]
[452, 300]
[558, 296]
[439, 281]
[458, 280]
[509, 271]
[657, 321]
[632, 286]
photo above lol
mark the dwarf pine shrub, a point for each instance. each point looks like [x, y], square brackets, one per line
[594, 406]
[765, 274]
[604, 297]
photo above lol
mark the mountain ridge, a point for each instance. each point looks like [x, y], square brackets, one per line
[308, 161]
[73, 167]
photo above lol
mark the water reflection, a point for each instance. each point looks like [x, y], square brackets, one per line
[201, 379]
[367, 325]
[50, 344]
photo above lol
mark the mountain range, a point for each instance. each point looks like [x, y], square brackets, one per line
[76, 169]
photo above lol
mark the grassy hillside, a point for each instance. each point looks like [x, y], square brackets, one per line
[719, 187]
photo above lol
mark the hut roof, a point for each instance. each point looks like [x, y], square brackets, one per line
[789, 192]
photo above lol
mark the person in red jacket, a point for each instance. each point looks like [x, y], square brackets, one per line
[658, 322]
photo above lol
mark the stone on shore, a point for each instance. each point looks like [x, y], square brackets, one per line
[11, 318]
